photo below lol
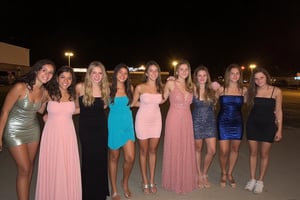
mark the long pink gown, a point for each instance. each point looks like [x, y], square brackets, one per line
[179, 162]
[59, 165]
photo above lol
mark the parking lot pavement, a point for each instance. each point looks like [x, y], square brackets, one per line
[281, 181]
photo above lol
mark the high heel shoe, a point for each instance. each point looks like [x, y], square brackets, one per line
[145, 188]
[206, 183]
[127, 193]
[115, 196]
[200, 182]
[231, 181]
[153, 188]
[223, 180]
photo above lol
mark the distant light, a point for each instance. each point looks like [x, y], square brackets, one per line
[297, 78]
[79, 69]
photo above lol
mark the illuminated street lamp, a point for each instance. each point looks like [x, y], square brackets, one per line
[69, 55]
[174, 63]
[252, 66]
[242, 70]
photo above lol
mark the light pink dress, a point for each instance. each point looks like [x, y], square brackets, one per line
[148, 122]
[59, 165]
[179, 162]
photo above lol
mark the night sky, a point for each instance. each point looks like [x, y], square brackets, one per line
[266, 33]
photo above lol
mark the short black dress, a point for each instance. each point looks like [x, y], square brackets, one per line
[261, 124]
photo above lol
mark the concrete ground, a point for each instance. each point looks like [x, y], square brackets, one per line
[281, 181]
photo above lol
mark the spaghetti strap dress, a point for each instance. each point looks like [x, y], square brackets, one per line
[22, 124]
[230, 118]
[93, 134]
[204, 119]
[261, 124]
[59, 165]
[120, 123]
[179, 161]
[148, 121]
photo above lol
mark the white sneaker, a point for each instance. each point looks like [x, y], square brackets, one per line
[250, 185]
[259, 186]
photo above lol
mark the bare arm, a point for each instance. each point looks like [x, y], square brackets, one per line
[136, 96]
[278, 114]
[169, 86]
[78, 90]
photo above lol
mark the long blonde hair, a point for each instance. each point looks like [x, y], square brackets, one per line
[188, 80]
[88, 98]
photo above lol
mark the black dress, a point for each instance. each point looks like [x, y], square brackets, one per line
[93, 136]
[261, 124]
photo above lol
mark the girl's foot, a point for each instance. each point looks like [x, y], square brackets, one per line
[153, 188]
[206, 183]
[231, 181]
[223, 180]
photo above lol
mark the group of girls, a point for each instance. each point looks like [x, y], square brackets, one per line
[61, 174]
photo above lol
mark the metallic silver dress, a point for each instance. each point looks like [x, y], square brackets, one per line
[22, 124]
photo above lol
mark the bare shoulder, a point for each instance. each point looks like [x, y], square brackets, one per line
[79, 86]
[277, 91]
[132, 88]
[139, 87]
[19, 88]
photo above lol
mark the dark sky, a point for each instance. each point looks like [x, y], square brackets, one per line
[215, 34]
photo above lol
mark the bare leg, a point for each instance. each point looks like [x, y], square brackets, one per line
[153, 145]
[24, 156]
[144, 145]
[129, 156]
[198, 151]
[234, 153]
[223, 157]
[253, 151]
[210, 153]
[264, 156]
[113, 169]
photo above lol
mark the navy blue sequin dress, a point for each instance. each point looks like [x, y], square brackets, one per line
[204, 120]
[230, 118]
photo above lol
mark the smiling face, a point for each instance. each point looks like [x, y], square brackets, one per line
[122, 75]
[152, 72]
[183, 71]
[64, 80]
[45, 74]
[260, 79]
[96, 75]
[202, 77]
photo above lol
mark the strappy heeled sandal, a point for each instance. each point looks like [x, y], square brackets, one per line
[223, 180]
[231, 181]
[206, 183]
[115, 196]
[153, 188]
[127, 193]
[145, 188]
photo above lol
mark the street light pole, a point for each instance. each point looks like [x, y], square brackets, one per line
[252, 66]
[174, 63]
[69, 55]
